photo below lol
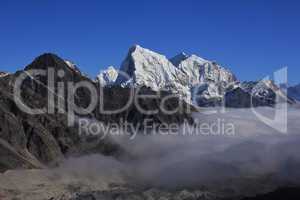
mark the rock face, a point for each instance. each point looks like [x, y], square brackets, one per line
[39, 140]
[262, 93]
[294, 92]
[107, 77]
[34, 141]
[116, 97]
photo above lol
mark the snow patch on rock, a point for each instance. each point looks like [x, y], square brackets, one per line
[108, 76]
[3, 74]
[72, 66]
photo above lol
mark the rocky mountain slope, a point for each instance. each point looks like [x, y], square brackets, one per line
[254, 93]
[36, 141]
[46, 140]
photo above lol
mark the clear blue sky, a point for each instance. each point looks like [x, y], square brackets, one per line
[252, 37]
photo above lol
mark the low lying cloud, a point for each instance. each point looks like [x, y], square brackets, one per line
[255, 151]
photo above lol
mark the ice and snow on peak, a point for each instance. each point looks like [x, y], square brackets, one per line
[148, 68]
[201, 70]
[207, 79]
[3, 74]
[108, 76]
[181, 74]
[195, 79]
[72, 66]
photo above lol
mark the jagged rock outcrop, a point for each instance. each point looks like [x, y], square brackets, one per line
[34, 141]
[116, 97]
[107, 77]
[261, 93]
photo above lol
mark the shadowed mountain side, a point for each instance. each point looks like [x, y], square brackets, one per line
[35, 141]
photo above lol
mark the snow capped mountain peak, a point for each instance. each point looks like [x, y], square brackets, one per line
[108, 76]
[148, 68]
[181, 74]
[208, 80]
[202, 70]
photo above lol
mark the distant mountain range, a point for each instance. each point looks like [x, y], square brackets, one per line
[33, 141]
[45, 140]
[196, 80]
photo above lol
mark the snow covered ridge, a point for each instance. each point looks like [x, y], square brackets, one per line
[72, 66]
[3, 74]
[196, 80]
[180, 74]
[147, 68]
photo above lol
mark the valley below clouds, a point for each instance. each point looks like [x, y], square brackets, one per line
[255, 159]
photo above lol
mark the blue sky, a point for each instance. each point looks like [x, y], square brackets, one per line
[253, 38]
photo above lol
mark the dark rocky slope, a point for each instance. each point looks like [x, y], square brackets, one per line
[36, 141]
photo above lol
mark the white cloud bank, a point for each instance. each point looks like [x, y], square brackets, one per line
[254, 152]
